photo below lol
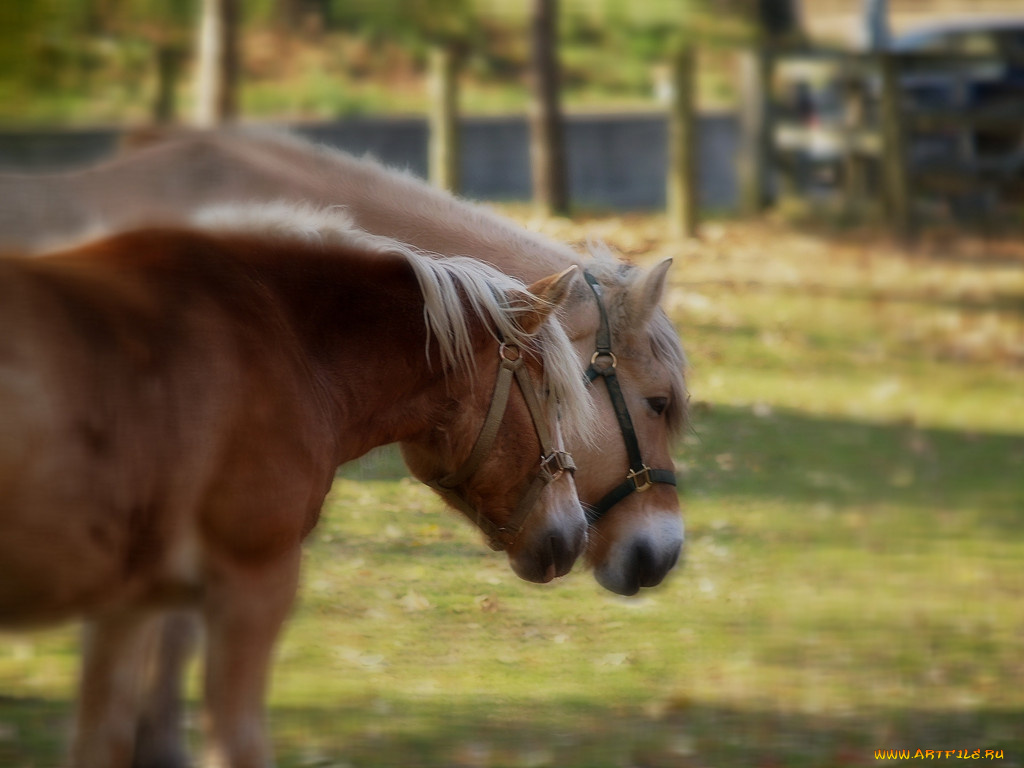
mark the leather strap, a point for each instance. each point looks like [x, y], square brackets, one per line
[640, 477]
[492, 423]
[552, 462]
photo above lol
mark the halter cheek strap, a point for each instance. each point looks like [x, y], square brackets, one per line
[603, 363]
[552, 461]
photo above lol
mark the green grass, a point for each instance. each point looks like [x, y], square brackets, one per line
[853, 579]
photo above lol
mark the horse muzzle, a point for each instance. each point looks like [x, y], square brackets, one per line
[548, 551]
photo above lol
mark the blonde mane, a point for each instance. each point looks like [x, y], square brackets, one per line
[456, 290]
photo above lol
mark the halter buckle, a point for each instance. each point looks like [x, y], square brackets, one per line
[557, 463]
[641, 478]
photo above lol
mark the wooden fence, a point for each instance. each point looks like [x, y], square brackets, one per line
[876, 141]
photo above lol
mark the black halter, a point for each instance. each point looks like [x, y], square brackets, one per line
[640, 477]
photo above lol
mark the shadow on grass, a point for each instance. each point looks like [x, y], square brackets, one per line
[449, 732]
[893, 294]
[801, 457]
[797, 457]
[812, 460]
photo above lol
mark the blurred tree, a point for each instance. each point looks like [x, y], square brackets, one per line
[775, 24]
[306, 18]
[681, 189]
[446, 29]
[778, 21]
[417, 23]
[289, 15]
[547, 141]
[218, 68]
[35, 36]
[443, 150]
[17, 22]
[169, 60]
[168, 26]
[68, 48]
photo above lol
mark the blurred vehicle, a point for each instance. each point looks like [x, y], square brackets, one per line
[992, 89]
[973, 102]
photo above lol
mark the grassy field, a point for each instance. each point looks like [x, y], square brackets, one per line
[854, 578]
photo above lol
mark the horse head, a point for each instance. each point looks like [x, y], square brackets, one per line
[496, 453]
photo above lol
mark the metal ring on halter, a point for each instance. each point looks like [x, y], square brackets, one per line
[599, 354]
[513, 347]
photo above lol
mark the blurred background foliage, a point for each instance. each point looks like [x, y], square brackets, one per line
[95, 61]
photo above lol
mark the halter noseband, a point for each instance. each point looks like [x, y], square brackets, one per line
[640, 476]
[552, 461]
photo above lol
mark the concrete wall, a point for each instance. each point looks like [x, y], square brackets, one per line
[616, 162]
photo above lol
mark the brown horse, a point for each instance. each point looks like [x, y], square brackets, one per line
[176, 401]
[622, 336]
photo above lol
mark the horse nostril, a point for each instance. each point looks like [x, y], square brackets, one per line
[643, 564]
[561, 555]
[648, 567]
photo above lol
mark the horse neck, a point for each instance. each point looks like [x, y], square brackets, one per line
[39, 210]
[163, 184]
[360, 320]
[168, 183]
[398, 205]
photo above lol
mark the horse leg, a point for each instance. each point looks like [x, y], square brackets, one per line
[243, 614]
[114, 653]
[160, 739]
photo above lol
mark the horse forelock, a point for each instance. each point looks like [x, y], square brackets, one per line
[456, 292]
[618, 281]
[489, 295]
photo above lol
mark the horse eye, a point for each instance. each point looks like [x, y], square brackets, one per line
[657, 404]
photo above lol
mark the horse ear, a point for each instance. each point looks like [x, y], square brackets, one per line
[647, 293]
[544, 296]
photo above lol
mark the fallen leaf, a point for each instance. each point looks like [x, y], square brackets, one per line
[488, 603]
[413, 601]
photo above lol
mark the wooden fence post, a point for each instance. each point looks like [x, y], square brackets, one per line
[896, 181]
[443, 151]
[681, 193]
[169, 60]
[755, 129]
[548, 158]
[854, 167]
[219, 66]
